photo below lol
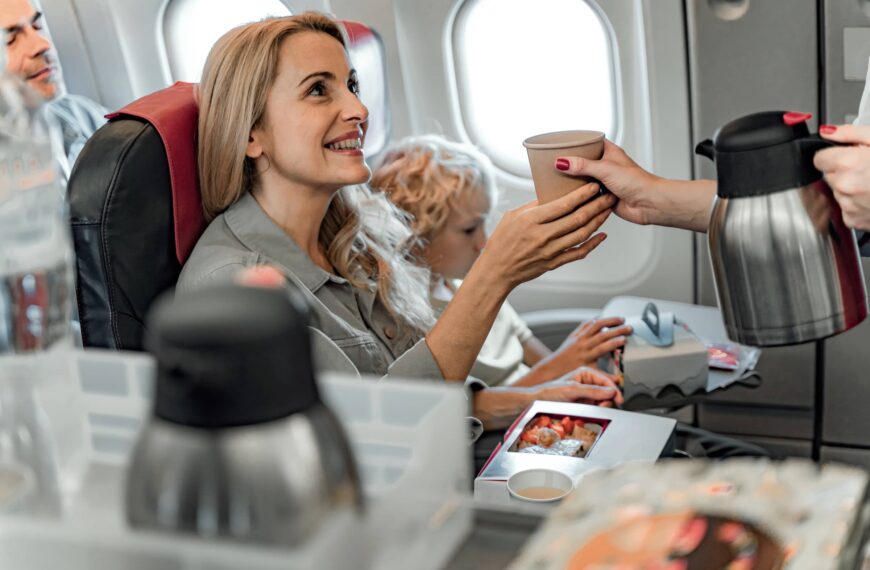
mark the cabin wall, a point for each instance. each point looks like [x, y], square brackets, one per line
[684, 68]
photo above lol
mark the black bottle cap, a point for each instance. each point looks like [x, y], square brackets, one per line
[763, 153]
[231, 356]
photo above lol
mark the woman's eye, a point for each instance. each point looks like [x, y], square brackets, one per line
[353, 85]
[469, 231]
[317, 90]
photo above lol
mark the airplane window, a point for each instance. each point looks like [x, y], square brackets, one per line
[523, 70]
[366, 52]
[191, 27]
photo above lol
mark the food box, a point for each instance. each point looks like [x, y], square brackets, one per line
[607, 437]
[662, 351]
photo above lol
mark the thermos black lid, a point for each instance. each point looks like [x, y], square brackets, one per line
[763, 153]
[231, 356]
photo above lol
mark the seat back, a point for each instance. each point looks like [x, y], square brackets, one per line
[135, 213]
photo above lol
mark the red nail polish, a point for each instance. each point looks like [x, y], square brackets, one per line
[827, 129]
[563, 164]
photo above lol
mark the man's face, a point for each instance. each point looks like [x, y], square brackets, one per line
[29, 53]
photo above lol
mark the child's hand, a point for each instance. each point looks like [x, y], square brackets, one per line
[583, 347]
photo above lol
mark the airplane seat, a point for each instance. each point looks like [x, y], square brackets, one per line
[135, 212]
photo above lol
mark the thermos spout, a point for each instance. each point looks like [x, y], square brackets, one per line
[705, 148]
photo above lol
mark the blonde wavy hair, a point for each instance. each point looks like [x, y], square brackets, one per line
[428, 176]
[366, 239]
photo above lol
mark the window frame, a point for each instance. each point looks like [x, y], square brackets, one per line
[388, 121]
[163, 37]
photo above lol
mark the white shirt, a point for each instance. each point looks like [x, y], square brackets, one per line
[500, 361]
[864, 109]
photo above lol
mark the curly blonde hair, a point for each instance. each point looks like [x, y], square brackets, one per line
[427, 176]
[366, 238]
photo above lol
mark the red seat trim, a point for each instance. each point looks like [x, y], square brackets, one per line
[174, 113]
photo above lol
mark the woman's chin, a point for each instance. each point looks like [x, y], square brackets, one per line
[351, 177]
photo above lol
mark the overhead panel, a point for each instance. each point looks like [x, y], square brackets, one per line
[846, 55]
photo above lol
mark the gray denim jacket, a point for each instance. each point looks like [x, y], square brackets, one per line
[352, 331]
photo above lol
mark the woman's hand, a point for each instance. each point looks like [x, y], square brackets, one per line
[527, 242]
[847, 171]
[533, 239]
[645, 198]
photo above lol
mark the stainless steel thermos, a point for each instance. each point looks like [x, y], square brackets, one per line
[786, 267]
[239, 444]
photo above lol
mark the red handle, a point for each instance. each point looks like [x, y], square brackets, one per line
[793, 118]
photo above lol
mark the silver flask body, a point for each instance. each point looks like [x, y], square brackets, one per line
[786, 267]
[273, 483]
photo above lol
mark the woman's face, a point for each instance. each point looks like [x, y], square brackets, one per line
[452, 251]
[314, 126]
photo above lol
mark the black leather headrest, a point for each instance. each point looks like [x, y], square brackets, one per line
[121, 212]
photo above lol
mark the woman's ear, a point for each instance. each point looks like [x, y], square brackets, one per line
[254, 149]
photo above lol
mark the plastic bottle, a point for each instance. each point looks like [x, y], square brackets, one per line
[36, 293]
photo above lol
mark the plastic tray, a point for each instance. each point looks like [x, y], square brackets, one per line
[409, 440]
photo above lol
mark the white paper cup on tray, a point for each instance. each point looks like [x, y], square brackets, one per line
[544, 149]
[539, 485]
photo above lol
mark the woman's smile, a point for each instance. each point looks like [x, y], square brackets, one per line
[348, 144]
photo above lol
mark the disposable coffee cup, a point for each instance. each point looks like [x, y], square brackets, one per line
[551, 184]
[539, 485]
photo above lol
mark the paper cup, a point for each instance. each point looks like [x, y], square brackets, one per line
[539, 485]
[544, 149]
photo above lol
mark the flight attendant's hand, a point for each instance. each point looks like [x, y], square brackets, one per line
[645, 198]
[847, 171]
[622, 176]
[534, 239]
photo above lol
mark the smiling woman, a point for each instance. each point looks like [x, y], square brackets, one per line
[280, 158]
[282, 173]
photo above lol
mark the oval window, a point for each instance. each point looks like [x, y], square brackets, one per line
[525, 67]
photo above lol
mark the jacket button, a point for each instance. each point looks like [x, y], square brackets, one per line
[390, 332]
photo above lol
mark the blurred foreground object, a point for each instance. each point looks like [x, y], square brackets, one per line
[754, 514]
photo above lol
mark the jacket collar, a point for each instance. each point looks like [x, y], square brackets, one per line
[256, 230]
